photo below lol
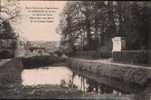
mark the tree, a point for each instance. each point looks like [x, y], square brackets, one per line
[9, 10]
[87, 21]
[8, 37]
[92, 24]
[133, 19]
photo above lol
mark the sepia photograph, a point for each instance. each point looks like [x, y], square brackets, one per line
[75, 49]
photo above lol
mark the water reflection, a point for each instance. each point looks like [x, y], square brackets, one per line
[64, 77]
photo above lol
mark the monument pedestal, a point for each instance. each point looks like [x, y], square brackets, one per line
[119, 44]
[120, 54]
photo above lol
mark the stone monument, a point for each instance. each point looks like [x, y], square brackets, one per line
[119, 44]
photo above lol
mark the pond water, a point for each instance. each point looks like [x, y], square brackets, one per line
[62, 76]
[52, 76]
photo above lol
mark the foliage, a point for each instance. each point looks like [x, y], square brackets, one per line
[86, 25]
[9, 10]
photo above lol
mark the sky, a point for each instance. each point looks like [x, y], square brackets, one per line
[38, 31]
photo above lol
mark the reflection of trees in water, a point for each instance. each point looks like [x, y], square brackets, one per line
[94, 88]
[70, 84]
[97, 88]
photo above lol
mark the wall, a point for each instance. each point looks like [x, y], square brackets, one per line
[123, 77]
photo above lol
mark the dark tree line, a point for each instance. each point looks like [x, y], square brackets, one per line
[91, 25]
[8, 37]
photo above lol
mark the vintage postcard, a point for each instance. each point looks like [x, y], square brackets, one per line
[60, 49]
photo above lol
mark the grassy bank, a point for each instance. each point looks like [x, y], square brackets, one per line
[43, 92]
[10, 78]
[57, 92]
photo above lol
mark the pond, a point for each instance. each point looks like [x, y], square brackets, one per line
[64, 77]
